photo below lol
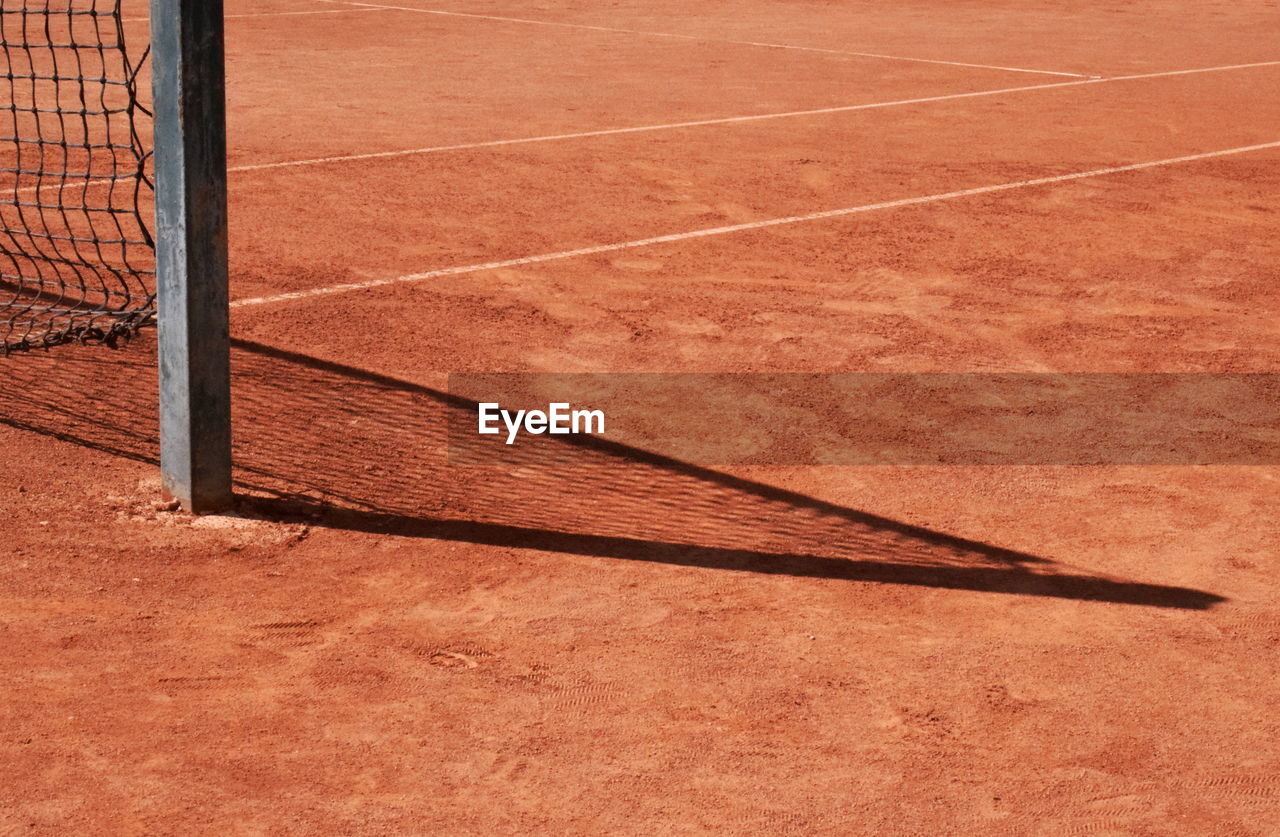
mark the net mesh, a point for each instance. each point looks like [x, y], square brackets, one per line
[77, 260]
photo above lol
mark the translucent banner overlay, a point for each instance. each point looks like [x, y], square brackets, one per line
[875, 419]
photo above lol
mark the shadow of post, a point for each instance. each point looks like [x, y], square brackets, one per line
[368, 452]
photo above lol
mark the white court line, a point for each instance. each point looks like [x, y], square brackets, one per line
[730, 120]
[311, 12]
[702, 38]
[277, 14]
[727, 120]
[637, 129]
[735, 228]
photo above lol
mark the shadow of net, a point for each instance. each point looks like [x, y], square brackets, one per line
[364, 451]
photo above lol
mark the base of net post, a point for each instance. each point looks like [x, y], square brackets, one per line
[209, 503]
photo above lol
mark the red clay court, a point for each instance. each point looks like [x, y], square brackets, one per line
[598, 640]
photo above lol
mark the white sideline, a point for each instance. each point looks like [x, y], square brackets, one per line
[754, 225]
[730, 120]
[646, 33]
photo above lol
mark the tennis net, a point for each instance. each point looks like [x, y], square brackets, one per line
[77, 259]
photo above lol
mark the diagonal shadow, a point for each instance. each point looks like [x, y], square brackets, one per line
[368, 452]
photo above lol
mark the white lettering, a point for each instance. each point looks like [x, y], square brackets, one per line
[487, 414]
[559, 417]
[594, 420]
[513, 427]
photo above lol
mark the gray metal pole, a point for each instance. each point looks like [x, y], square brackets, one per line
[191, 252]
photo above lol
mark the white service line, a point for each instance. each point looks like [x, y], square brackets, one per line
[735, 228]
[277, 14]
[637, 129]
[668, 126]
[730, 120]
[650, 34]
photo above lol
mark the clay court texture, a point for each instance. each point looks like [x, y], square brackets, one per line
[599, 640]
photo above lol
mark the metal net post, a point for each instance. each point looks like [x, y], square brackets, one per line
[191, 252]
